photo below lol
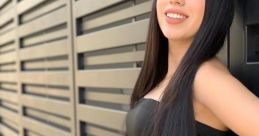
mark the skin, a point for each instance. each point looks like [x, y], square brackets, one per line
[221, 102]
[181, 35]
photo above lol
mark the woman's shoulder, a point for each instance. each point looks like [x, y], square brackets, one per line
[213, 79]
[211, 75]
[217, 89]
[214, 66]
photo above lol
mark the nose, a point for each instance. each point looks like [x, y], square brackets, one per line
[177, 2]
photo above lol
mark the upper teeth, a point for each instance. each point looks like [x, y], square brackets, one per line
[174, 15]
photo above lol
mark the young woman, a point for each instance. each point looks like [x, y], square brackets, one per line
[183, 89]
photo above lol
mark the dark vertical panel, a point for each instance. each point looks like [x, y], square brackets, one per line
[251, 67]
[244, 36]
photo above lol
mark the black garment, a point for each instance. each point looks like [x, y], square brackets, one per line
[141, 115]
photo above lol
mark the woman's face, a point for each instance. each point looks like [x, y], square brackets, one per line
[180, 19]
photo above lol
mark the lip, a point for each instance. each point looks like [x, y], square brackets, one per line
[174, 20]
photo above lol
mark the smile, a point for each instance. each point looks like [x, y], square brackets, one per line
[175, 16]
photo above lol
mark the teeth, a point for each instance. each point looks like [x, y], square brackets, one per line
[176, 16]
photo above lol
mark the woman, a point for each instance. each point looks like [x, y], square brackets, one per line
[183, 89]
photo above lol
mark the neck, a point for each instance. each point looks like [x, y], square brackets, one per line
[176, 51]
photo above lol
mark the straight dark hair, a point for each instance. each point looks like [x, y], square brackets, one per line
[174, 115]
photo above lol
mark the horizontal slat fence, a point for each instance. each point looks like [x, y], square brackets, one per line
[46, 72]
[109, 49]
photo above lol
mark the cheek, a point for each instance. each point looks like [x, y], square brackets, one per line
[159, 7]
[198, 8]
[166, 29]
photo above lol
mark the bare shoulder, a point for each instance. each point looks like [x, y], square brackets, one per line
[212, 72]
[226, 97]
[214, 65]
[210, 75]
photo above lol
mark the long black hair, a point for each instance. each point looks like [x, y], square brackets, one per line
[175, 113]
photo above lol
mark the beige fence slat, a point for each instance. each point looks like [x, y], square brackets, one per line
[8, 28]
[48, 78]
[113, 37]
[7, 131]
[47, 91]
[10, 123]
[42, 128]
[30, 133]
[8, 16]
[9, 86]
[13, 106]
[115, 58]
[8, 96]
[48, 117]
[2, 2]
[84, 7]
[8, 4]
[57, 48]
[46, 64]
[8, 67]
[56, 18]
[56, 63]
[100, 116]
[7, 37]
[108, 97]
[100, 132]
[8, 77]
[10, 46]
[8, 57]
[45, 37]
[125, 78]
[48, 105]
[119, 15]
[52, 5]
[14, 117]
[26, 5]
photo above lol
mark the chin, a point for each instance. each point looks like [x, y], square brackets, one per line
[180, 35]
[173, 36]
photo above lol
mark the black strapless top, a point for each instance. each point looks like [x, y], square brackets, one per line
[141, 115]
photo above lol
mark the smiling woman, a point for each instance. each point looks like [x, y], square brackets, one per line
[178, 22]
[183, 89]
